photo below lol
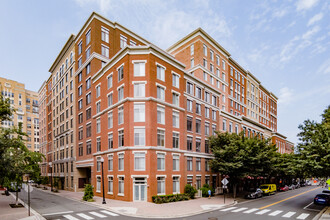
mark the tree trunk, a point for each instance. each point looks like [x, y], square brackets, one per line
[234, 190]
[16, 195]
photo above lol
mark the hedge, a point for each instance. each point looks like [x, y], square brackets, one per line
[169, 198]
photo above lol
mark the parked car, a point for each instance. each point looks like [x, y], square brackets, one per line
[326, 191]
[302, 184]
[284, 188]
[322, 199]
[308, 183]
[268, 188]
[297, 185]
[292, 187]
[254, 193]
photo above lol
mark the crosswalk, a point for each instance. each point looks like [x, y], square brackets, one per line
[99, 214]
[268, 212]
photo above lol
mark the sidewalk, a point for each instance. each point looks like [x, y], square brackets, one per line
[152, 210]
[326, 214]
[8, 213]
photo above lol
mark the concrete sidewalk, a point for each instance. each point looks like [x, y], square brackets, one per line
[152, 210]
[326, 214]
[8, 213]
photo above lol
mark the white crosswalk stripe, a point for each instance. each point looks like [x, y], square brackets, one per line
[303, 216]
[228, 209]
[288, 215]
[251, 210]
[98, 214]
[109, 213]
[70, 217]
[275, 213]
[239, 210]
[85, 216]
[263, 212]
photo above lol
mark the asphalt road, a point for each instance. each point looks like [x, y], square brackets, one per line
[293, 204]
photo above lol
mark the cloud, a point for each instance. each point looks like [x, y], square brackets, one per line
[303, 5]
[315, 19]
[324, 68]
[279, 13]
[310, 33]
[286, 96]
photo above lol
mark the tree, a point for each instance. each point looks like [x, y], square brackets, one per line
[314, 146]
[88, 193]
[238, 156]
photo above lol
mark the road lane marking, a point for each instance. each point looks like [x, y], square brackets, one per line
[98, 214]
[85, 216]
[287, 198]
[227, 209]
[275, 213]
[288, 215]
[109, 213]
[308, 205]
[251, 210]
[238, 210]
[70, 217]
[58, 213]
[262, 212]
[303, 216]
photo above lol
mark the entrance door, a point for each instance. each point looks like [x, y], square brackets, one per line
[140, 189]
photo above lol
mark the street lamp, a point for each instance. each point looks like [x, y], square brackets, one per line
[102, 160]
[51, 176]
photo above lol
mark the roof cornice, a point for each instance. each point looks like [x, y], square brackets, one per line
[63, 51]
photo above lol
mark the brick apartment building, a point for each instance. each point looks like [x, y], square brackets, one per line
[147, 113]
[26, 104]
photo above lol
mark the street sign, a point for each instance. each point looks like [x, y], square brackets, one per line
[225, 181]
[25, 187]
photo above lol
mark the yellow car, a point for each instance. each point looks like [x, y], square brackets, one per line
[268, 189]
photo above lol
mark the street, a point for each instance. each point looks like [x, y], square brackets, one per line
[293, 204]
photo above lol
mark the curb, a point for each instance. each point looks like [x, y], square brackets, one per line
[322, 214]
[35, 213]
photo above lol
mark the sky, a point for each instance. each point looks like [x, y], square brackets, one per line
[285, 44]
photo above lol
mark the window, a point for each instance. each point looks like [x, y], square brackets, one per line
[105, 51]
[198, 182]
[110, 141]
[79, 90]
[176, 120]
[98, 125]
[139, 69]
[160, 115]
[212, 70]
[207, 97]
[139, 136]
[160, 161]
[98, 184]
[120, 162]
[175, 98]
[176, 185]
[121, 185]
[110, 185]
[189, 164]
[214, 115]
[98, 144]
[192, 62]
[224, 125]
[120, 93]
[160, 185]
[207, 112]
[175, 80]
[160, 73]
[198, 164]
[198, 92]
[160, 93]
[123, 41]
[230, 127]
[189, 123]
[192, 49]
[110, 99]
[88, 113]
[198, 108]
[218, 60]
[139, 112]
[109, 81]
[190, 88]
[110, 162]
[214, 129]
[207, 147]
[88, 52]
[189, 105]
[204, 50]
[120, 73]
[98, 91]
[139, 161]
[88, 83]
[175, 140]
[98, 107]
[207, 129]
[121, 138]
[88, 130]
[120, 115]
[110, 120]
[223, 65]
[176, 162]
[198, 126]
[139, 90]
[105, 34]
[160, 138]
[80, 48]
[189, 143]
[214, 100]
[205, 63]
[236, 129]
[211, 55]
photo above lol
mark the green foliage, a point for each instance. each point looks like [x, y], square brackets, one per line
[190, 191]
[314, 146]
[88, 193]
[169, 198]
[205, 190]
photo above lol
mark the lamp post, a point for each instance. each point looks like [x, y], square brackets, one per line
[51, 176]
[102, 160]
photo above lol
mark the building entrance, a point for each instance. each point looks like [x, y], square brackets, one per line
[140, 189]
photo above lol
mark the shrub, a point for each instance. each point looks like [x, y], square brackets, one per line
[169, 198]
[190, 190]
[88, 193]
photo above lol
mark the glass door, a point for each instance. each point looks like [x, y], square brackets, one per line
[140, 189]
